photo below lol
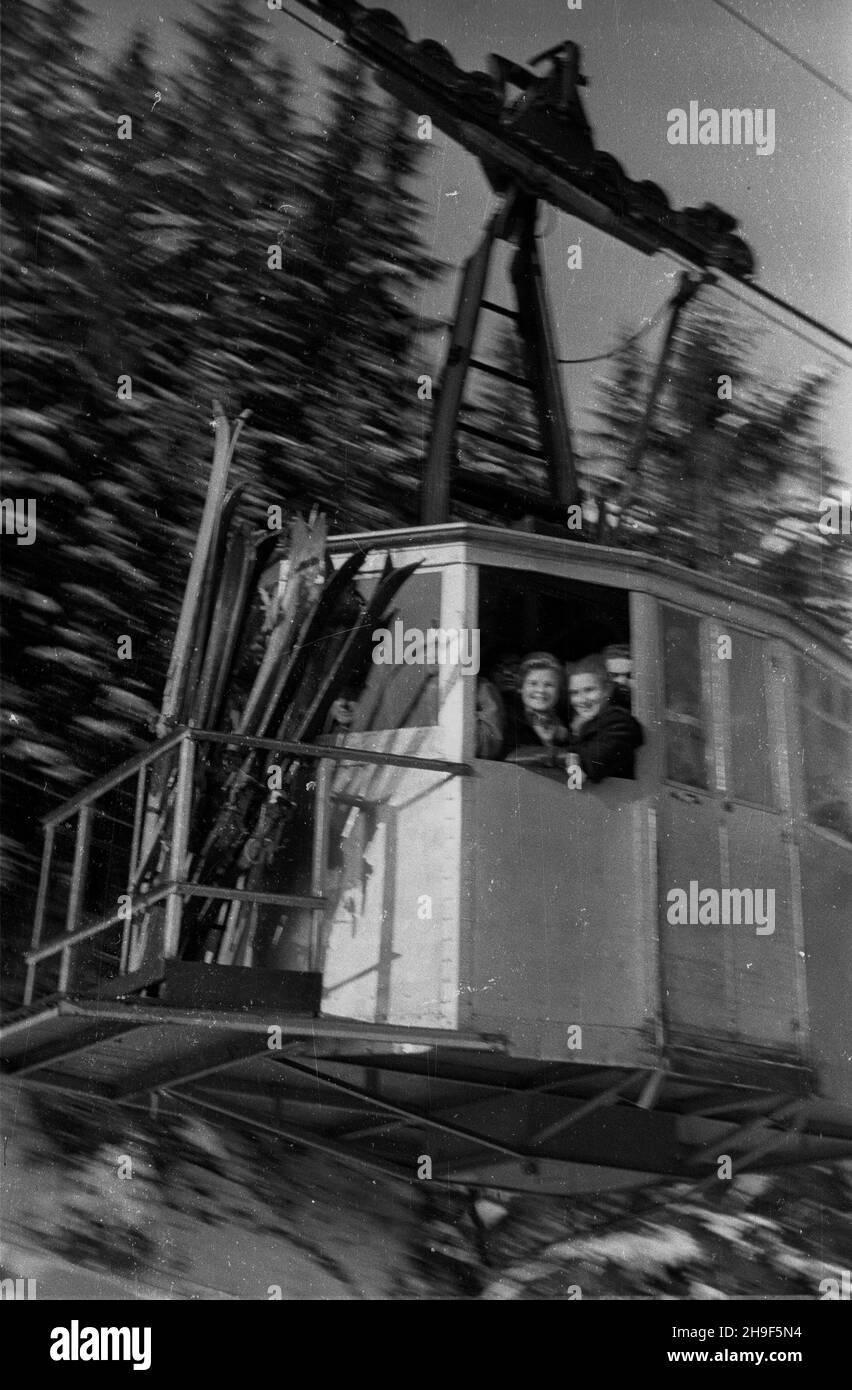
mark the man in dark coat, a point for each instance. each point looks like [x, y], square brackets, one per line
[620, 671]
[603, 737]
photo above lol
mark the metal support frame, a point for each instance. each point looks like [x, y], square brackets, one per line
[435, 502]
[180, 839]
[410, 1116]
[317, 1029]
[515, 220]
[539, 341]
[176, 887]
[41, 904]
[319, 857]
[78, 884]
[687, 289]
[135, 852]
[780, 1112]
[291, 1133]
[601, 1101]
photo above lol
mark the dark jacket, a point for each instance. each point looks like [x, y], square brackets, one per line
[606, 746]
[621, 697]
[522, 742]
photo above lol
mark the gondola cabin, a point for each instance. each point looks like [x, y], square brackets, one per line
[537, 985]
[571, 921]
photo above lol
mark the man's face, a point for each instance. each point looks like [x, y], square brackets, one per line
[586, 695]
[540, 691]
[620, 671]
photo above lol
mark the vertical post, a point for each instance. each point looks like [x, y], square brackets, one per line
[138, 818]
[435, 505]
[541, 363]
[687, 289]
[319, 860]
[135, 847]
[177, 853]
[75, 896]
[41, 902]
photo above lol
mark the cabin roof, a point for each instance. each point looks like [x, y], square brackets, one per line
[494, 541]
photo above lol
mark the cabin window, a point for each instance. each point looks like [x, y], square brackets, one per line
[751, 762]
[686, 721]
[521, 613]
[401, 691]
[825, 706]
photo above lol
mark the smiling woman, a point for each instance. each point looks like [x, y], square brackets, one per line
[604, 736]
[534, 730]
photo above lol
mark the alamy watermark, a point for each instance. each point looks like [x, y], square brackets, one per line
[17, 1290]
[728, 126]
[836, 514]
[714, 907]
[76, 1343]
[414, 646]
[19, 518]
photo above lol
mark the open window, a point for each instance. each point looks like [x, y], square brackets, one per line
[521, 613]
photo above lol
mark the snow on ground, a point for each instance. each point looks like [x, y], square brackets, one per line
[206, 1215]
[99, 1203]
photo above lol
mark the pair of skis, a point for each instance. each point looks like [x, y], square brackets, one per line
[330, 656]
[319, 634]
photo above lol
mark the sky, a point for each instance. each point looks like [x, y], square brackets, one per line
[642, 58]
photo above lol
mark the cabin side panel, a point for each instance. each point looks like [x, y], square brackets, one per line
[826, 870]
[560, 937]
[763, 952]
[390, 947]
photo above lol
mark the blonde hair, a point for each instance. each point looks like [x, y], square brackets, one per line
[538, 661]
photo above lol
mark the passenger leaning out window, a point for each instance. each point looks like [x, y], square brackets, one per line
[534, 730]
[603, 737]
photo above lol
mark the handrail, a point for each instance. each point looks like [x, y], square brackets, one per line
[55, 944]
[178, 887]
[114, 778]
[336, 752]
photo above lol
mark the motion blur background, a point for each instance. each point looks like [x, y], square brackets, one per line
[148, 258]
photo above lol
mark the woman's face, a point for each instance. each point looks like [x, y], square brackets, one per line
[540, 691]
[586, 694]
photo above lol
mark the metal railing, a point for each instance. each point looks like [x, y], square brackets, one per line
[164, 793]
